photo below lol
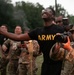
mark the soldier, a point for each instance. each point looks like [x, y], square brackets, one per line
[45, 37]
[59, 21]
[29, 58]
[32, 66]
[14, 52]
[67, 55]
[23, 60]
[3, 64]
[68, 68]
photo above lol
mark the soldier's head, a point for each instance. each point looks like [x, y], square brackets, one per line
[65, 21]
[18, 29]
[4, 27]
[59, 21]
[66, 24]
[72, 31]
[48, 14]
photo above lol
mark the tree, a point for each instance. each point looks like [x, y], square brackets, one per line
[6, 10]
[19, 18]
[61, 10]
[32, 12]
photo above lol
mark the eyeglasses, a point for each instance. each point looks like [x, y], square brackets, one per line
[58, 21]
[46, 10]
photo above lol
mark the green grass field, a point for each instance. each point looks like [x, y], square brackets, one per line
[39, 63]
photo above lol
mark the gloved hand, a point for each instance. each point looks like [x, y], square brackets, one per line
[67, 45]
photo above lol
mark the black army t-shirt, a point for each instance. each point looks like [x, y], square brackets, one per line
[45, 37]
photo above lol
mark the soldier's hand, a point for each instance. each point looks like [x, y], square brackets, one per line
[4, 48]
[67, 45]
[30, 46]
[14, 46]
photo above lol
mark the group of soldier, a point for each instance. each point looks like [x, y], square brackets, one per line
[65, 55]
[18, 57]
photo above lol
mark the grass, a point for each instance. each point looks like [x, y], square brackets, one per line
[39, 63]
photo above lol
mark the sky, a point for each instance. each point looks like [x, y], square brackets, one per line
[67, 4]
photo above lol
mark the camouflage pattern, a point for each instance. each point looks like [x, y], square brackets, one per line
[3, 65]
[23, 62]
[12, 67]
[3, 61]
[32, 66]
[25, 59]
[13, 56]
[68, 66]
[57, 54]
[66, 57]
[22, 69]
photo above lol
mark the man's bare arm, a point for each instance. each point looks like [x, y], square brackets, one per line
[16, 37]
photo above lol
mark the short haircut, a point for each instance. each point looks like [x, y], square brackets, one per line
[4, 25]
[53, 11]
